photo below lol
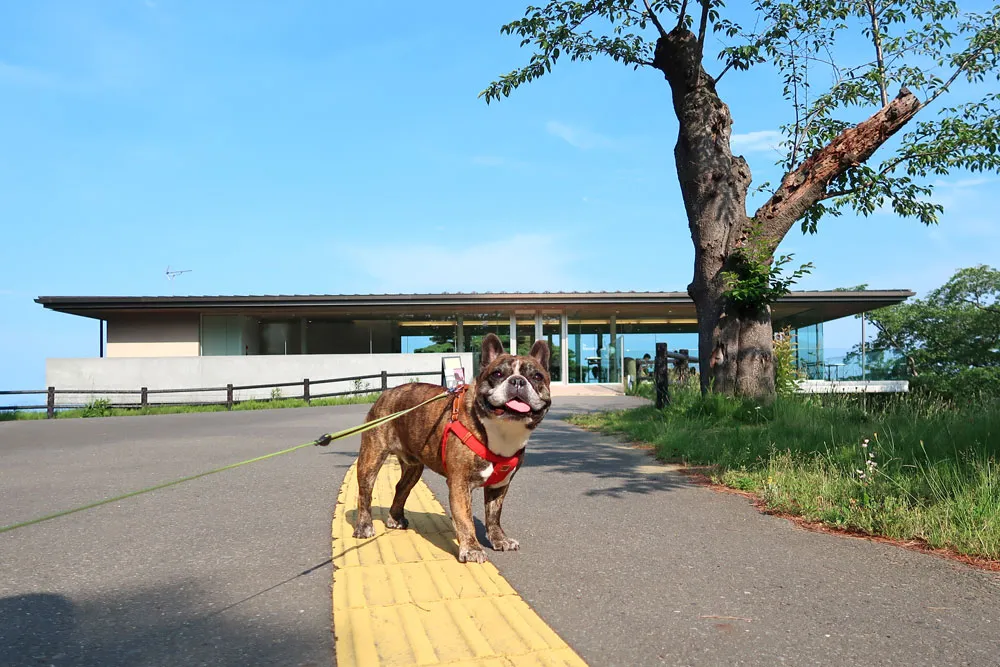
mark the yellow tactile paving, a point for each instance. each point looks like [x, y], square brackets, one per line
[402, 597]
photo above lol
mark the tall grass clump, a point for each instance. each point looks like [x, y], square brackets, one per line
[904, 467]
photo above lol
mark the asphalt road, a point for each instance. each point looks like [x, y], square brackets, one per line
[230, 569]
[630, 564]
[634, 566]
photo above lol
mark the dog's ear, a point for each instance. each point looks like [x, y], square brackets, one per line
[492, 348]
[540, 351]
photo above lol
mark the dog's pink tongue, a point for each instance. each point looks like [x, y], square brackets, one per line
[518, 406]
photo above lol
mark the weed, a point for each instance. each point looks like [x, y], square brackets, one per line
[98, 407]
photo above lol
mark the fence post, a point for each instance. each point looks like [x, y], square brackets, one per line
[144, 397]
[661, 376]
[683, 370]
[229, 396]
[305, 390]
[385, 380]
[50, 404]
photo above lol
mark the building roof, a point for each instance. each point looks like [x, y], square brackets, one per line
[794, 309]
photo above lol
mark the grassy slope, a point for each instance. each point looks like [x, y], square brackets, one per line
[906, 469]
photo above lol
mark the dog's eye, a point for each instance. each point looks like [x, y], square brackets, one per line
[498, 374]
[539, 377]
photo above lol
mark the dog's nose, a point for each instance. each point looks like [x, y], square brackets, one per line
[518, 381]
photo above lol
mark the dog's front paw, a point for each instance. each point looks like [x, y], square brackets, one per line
[364, 531]
[402, 524]
[474, 555]
[504, 544]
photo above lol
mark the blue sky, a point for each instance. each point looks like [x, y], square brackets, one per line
[315, 147]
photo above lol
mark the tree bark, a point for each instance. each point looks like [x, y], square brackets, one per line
[734, 348]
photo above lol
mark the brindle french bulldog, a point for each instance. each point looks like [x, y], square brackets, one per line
[505, 403]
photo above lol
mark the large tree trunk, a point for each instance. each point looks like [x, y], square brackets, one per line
[735, 347]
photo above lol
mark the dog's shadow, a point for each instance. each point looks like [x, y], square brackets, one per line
[433, 527]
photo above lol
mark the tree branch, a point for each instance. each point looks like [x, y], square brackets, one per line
[911, 363]
[798, 114]
[877, 38]
[882, 172]
[961, 68]
[703, 26]
[656, 21]
[806, 185]
[682, 14]
[725, 69]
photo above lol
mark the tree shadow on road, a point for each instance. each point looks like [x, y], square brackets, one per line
[619, 469]
[165, 625]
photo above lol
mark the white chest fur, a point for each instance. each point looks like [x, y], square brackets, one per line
[504, 437]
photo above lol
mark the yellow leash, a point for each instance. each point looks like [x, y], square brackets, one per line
[321, 441]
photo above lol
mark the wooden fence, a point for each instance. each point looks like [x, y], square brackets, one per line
[144, 393]
[660, 376]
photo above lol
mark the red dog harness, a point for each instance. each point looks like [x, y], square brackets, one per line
[503, 466]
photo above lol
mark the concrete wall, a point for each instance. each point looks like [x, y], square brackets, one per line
[150, 336]
[188, 372]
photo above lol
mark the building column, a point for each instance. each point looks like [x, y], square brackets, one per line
[513, 334]
[538, 326]
[459, 334]
[581, 365]
[613, 351]
[863, 378]
[564, 346]
[303, 335]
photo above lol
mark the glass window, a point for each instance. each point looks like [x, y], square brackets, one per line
[280, 337]
[808, 342]
[421, 337]
[551, 325]
[221, 335]
[588, 354]
[476, 327]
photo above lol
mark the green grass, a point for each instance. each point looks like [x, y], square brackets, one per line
[928, 471]
[102, 409]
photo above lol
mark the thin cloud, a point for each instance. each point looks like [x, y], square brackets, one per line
[580, 137]
[963, 182]
[757, 142]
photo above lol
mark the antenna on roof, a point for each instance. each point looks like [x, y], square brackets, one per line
[173, 274]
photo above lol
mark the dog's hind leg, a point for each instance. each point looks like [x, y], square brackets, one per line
[371, 456]
[408, 479]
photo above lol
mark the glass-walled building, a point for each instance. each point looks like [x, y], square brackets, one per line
[593, 336]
